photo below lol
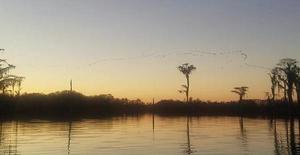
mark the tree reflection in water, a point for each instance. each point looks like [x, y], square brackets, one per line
[69, 136]
[283, 133]
[289, 142]
[9, 138]
[243, 134]
[189, 148]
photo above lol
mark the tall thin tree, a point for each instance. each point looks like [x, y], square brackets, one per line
[186, 69]
[274, 82]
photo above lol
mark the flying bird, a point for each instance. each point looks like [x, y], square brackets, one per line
[245, 56]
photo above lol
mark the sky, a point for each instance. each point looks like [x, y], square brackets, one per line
[131, 48]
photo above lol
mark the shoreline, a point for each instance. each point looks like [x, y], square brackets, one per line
[73, 105]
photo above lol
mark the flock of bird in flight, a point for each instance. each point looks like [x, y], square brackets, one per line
[243, 55]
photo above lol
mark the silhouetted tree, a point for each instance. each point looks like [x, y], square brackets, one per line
[7, 80]
[282, 85]
[298, 91]
[288, 68]
[267, 94]
[241, 91]
[274, 81]
[186, 69]
[297, 84]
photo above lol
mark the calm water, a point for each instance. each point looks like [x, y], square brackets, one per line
[150, 135]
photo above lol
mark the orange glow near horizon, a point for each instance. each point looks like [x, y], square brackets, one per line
[132, 48]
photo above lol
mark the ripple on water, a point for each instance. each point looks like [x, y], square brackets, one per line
[138, 135]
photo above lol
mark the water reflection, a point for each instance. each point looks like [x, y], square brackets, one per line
[153, 127]
[243, 134]
[188, 150]
[290, 144]
[153, 119]
[135, 135]
[16, 138]
[69, 136]
[277, 141]
[9, 138]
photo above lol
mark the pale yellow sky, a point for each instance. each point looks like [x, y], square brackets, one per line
[132, 48]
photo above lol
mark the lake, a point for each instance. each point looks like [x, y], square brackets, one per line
[151, 135]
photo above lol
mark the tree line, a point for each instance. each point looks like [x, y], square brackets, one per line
[285, 80]
[284, 77]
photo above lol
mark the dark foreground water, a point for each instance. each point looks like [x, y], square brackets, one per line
[149, 135]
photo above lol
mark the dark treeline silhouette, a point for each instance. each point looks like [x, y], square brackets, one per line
[249, 108]
[66, 104]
